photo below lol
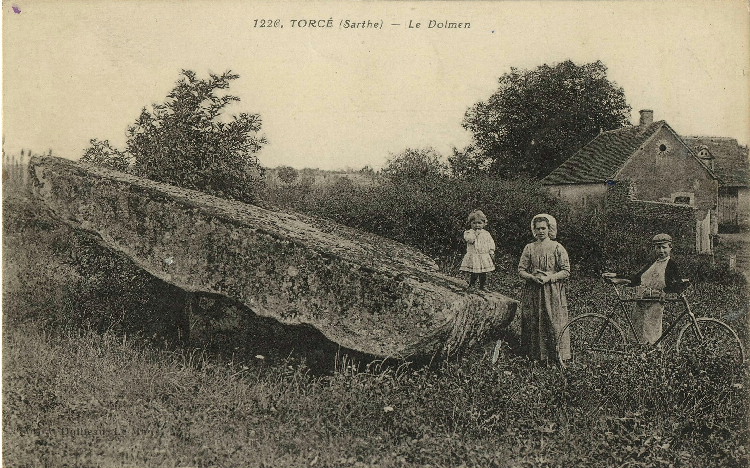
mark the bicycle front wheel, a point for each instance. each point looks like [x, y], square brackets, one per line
[719, 341]
[594, 338]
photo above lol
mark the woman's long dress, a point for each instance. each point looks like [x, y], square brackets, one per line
[544, 308]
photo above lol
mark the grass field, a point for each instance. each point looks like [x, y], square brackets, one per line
[74, 396]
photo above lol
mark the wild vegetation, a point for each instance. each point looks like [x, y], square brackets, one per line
[86, 399]
[423, 202]
[79, 392]
[188, 141]
[538, 118]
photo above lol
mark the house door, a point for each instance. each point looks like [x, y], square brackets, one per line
[728, 216]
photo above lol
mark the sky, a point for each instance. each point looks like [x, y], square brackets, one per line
[336, 98]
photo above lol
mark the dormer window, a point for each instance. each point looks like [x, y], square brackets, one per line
[705, 155]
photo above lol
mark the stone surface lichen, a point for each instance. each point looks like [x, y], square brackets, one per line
[362, 291]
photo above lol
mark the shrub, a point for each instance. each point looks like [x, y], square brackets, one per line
[188, 141]
[428, 213]
[287, 174]
[101, 153]
[415, 166]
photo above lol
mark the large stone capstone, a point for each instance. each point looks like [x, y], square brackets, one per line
[360, 290]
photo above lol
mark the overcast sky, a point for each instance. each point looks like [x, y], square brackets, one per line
[336, 98]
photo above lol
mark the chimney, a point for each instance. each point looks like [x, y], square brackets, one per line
[647, 117]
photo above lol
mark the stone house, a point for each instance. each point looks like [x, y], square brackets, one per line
[656, 164]
[729, 161]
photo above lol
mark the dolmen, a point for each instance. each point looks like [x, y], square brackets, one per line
[361, 291]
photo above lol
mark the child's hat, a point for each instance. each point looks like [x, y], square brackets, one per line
[662, 239]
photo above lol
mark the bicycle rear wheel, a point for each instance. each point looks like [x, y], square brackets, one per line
[719, 341]
[594, 338]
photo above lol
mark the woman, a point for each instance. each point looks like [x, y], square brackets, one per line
[544, 308]
[655, 279]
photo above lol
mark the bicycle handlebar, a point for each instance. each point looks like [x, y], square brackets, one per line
[611, 277]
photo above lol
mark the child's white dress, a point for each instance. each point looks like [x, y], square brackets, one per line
[478, 246]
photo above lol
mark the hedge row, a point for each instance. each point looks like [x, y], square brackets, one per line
[430, 213]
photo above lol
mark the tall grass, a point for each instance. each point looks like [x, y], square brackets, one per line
[89, 399]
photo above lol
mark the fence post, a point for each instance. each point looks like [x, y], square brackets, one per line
[733, 262]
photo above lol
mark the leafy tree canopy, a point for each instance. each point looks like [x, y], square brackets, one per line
[469, 162]
[414, 165]
[539, 118]
[189, 142]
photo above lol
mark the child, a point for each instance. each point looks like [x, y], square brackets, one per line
[658, 277]
[480, 249]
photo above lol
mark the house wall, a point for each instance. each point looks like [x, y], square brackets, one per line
[743, 206]
[585, 196]
[676, 220]
[663, 175]
[625, 215]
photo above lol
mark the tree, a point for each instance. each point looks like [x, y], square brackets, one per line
[287, 174]
[539, 118]
[101, 153]
[187, 141]
[414, 165]
[469, 162]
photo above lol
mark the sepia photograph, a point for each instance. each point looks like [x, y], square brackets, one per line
[375, 233]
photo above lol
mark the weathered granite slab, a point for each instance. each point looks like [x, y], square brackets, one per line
[360, 290]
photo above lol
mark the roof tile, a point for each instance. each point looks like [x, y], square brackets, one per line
[731, 163]
[600, 160]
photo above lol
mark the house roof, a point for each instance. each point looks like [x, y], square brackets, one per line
[603, 157]
[731, 162]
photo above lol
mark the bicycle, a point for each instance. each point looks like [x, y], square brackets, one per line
[595, 335]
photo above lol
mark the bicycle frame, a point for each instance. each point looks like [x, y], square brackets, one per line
[600, 332]
[622, 300]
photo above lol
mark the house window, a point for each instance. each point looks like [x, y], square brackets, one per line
[664, 147]
[728, 191]
[683, 198]
[663, 153]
